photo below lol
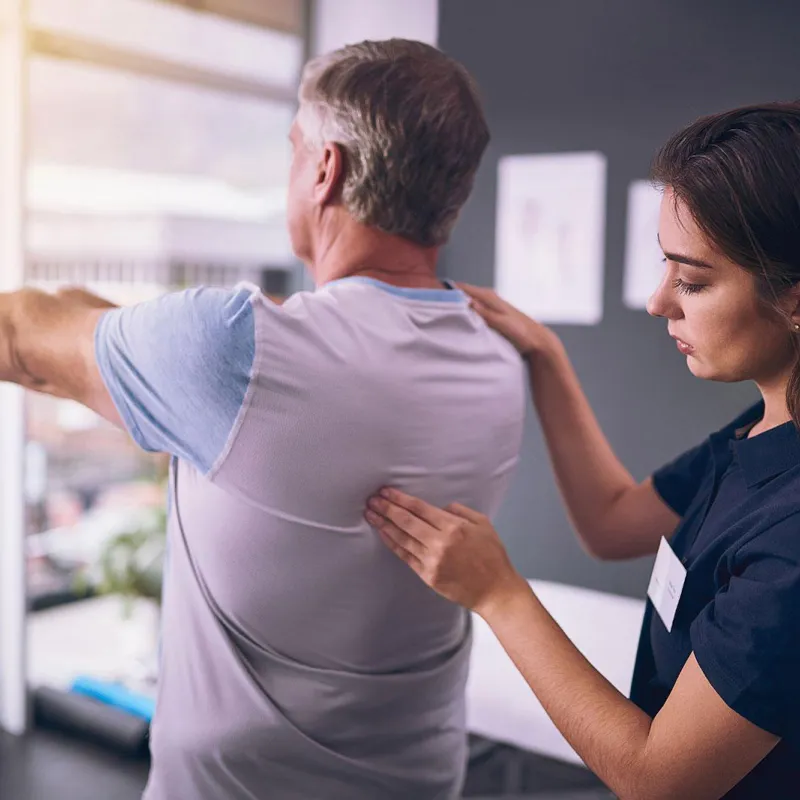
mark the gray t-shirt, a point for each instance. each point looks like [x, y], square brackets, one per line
[300, 658]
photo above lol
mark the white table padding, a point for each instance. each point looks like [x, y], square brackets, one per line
[604, 627]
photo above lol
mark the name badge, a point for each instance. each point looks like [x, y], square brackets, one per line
[666, 583]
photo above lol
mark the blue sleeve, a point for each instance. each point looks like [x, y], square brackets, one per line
[178, 369]
[678, 482]
[747, 640]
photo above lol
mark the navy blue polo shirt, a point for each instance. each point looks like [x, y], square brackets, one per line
[739, 538]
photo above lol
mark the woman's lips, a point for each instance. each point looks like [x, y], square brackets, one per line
[684, 347]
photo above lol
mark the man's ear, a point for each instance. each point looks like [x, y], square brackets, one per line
[330, 174]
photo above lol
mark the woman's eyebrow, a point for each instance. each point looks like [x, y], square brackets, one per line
[688, 260]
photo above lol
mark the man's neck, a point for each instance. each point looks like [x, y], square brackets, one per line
[365, 252]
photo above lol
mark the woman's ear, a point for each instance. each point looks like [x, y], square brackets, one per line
[793, 307]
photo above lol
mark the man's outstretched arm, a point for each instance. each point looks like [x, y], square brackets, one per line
[47, 345]
[173, 371]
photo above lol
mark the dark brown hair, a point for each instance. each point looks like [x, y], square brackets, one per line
[738, 174]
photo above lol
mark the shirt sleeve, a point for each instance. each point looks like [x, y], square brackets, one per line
[747, 640]
[678, 482]
[178, 369]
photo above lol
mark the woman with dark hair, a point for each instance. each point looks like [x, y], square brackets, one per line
[715, 701]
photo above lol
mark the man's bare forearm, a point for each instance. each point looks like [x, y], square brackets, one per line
[14, 311]
[82, 297]
[42, 338]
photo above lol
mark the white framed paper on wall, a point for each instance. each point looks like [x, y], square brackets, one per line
[643, 257]
[550, 235]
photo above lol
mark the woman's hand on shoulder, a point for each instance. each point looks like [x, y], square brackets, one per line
[527, 335]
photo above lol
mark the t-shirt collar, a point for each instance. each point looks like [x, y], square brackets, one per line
[451, 294]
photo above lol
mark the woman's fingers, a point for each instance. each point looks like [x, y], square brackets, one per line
[434, 516]
[460, 555]
[485, 296]
[493, 318]
[408, 530]
[523, 332]
[400, 543]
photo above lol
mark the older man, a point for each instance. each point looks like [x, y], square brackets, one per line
[301, 660]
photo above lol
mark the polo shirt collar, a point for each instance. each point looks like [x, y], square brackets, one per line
[768, 454]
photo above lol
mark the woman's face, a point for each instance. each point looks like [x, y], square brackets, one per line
[712, 309]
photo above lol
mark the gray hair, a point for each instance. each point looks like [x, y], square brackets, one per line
[410, 124]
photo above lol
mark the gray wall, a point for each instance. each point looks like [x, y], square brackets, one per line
[616, 76]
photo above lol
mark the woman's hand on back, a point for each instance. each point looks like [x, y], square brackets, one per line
[527, 335]
[455, 550]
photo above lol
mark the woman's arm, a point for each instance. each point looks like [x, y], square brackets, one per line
[614, 516]
[696, 747]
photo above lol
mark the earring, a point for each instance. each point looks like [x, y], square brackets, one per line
[796, 327]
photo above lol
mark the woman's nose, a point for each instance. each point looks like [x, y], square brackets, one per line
[662, 302]
[654, 304]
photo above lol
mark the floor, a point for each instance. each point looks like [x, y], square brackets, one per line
[47, 765]
[502, 771]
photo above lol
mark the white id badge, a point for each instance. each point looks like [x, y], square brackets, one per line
[666, 583]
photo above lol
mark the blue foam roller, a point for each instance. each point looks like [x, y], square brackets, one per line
[117, 695]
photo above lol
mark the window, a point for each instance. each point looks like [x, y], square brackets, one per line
[158, 157]
[179, 35]
[130, 167]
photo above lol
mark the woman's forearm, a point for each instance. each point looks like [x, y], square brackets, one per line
[589, 475]
[607, 730]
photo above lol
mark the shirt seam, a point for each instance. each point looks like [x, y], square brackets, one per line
[246, 401]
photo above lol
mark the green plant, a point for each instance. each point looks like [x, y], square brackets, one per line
[130, 563]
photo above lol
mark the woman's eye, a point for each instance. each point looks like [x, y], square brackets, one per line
[687, 288]
[682, 286]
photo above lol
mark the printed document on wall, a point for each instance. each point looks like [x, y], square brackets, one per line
[644, 267]
[550, 236]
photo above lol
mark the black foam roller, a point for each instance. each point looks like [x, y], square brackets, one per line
[90, 719]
